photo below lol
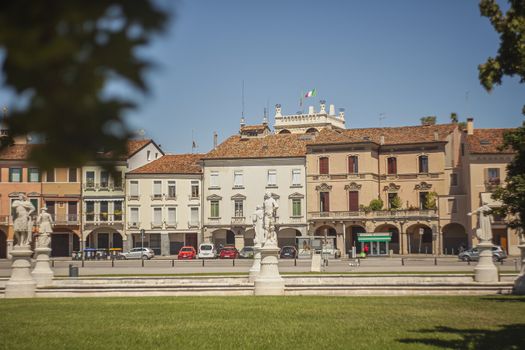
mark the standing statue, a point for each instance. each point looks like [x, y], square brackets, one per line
[45, 227]
[270, 207]
[484, 231]
[257, 219]
[23, 224]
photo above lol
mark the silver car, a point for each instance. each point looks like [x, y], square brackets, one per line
[472, 254]
[138, 253]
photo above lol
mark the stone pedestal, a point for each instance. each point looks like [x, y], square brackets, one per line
[269, 281]
[519, 283]
[256, 266]
[42, 272]
[485, 270]
[21, 284]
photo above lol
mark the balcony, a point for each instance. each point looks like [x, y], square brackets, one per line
[92, 221]
[214, 221]
[193, 197]
[157, 197]
[238, 220]
[66, 219]
[194, 224]
[171, 197]
[170, 224]
[411, 176]
[133, 197]
[102, 186]
[134, 225]
[156, 224]
[374, 215]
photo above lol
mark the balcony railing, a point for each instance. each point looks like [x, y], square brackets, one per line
[65, 219]
[156, 224]
[238, 220]
[194, 224]
[157, 197]
[379, 214]
[133, 197]
[103, 218]
[102, 186]
[133, 224]
[170, 224]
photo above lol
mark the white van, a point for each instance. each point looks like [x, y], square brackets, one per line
[207, 251]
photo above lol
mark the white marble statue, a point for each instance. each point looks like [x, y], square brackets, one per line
[257, 219]
[23, 224]
[270, 207]
[45, 227]
[484, 231]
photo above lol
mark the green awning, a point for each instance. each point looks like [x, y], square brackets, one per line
[369, 237]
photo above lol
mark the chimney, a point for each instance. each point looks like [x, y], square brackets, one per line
[311, 110]
[214, 139]
[278, 110]
[323, 107]
[470, 126]
[332, 110]
[382, 140]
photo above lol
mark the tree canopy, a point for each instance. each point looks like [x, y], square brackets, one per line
[60, 57]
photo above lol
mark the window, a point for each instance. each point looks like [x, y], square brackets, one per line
[296, 207]
[423, 164]
[134, 189]
[391, 198]
[117, 211]
[272, 178]
[214, 206]
[157, 216]
[172, 216]
[453, 179]
[104, 211]
[34, 201]
[72, 211]
[452, 206]
[90, 211]
[33, 175]
[324, 201]
[50, 175]
[148, 155]
[50, 205]
[492, 176]
[104, 179]
[323, 165]
[117, 180]
[90, 179]
[296, 177]
[195, 189]
[194, 215]
[134, 216]
[423, 200]
[353, 200]
[157, 189]
[172, 189]
[15, 174]
[237, 178]
[239, 206]
[72, 174]
[156, 155]
[353, 167]
[392, 165]
[214, 179]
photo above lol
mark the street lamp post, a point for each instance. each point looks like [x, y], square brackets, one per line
[142, 233]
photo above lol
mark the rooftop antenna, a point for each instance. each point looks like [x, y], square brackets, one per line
[242, 112]
[381, 118]
[467, 93]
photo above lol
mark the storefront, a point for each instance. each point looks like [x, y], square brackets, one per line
[375, 244]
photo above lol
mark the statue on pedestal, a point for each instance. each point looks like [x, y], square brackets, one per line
[45, 227]
[23, 224]
[484, 231]
[270, 207]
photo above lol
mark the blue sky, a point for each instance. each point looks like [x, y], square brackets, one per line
[404, 59]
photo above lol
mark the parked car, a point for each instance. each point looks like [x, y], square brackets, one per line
[187, 252]
[472, 254]
[288, 252]
[229, 252]
[207, 251]
[246, 252]
[138, 253]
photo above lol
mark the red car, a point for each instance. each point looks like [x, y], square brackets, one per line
[229, 252]
[187, 252]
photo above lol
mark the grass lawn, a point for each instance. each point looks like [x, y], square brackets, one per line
[264, 323]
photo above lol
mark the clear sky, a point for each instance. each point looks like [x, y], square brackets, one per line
[404, 59]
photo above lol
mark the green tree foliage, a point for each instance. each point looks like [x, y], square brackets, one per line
[510, 59]
[376, 204]
[60, 57]
[512, 194]
[430, 120]
[454, 118]
[431, 201]
[396, 203]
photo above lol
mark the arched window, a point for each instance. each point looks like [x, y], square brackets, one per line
[312, 131]
[392, 165]
[423, 164]
[284, 131]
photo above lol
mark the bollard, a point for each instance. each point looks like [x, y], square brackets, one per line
[501, 261]
[142, 262]
[112, 262]
[402, 261]
[359, 261]
[468, 262]
[172, 263]
[233, 261]
[295, 262]
[83, 262]
[203, 262]
[435, 261]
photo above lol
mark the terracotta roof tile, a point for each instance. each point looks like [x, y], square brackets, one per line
[487, 141]
[258, 127]
[172, 164]
[134, 146]
[270, 146]
[16, 152]
[392, 135]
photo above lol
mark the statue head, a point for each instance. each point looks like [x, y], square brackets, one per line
[267, 195]
[44, 210]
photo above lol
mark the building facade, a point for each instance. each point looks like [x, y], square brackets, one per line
[164, 199]
[301, 123]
